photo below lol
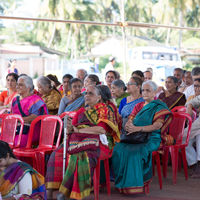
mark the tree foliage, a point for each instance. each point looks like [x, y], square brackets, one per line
[77, 40]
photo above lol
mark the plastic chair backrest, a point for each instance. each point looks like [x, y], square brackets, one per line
[9, 127]
[177, 126]
[69, 113]
[179, 109]
[47, 131]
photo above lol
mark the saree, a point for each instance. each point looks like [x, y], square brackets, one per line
[6, 98]
[132, 163]
[176, 99]
[76, 104]
[118, 100]
[77, 181]
[52, 101]
[29, 105]
[10, 177]
[128, 107]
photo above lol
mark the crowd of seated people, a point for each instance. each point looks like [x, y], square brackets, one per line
[103, 114]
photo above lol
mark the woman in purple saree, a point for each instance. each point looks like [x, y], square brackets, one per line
[29, 106]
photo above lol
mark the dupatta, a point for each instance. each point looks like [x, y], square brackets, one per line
[10, 177]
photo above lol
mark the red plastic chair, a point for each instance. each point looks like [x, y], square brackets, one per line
[9, 125]
[96, 176]
[69, 113]
[46, 141]
[179, 109]
[176, 129]
[156, 158]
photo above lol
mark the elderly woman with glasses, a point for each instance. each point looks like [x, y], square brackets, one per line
[28, 105]
[132, 162]
[127, 104]
[87, 132]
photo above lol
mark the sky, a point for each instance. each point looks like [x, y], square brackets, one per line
[29, 8]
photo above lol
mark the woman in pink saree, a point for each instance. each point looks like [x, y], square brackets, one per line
[29, 106]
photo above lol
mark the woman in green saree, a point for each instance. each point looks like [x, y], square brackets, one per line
[132, 163]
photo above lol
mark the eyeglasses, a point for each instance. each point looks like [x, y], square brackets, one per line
[197, 86]
[129, 83]
[89, 93]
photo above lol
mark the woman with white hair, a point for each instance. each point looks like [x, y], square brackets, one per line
[132, 159]
[28, 105]
[50, 94]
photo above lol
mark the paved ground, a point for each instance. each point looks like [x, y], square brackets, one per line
[183, 190]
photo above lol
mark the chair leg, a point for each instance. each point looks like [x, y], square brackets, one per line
[179, 161]
[153, 164]
[159, 169]
[174, 158]
[96, 180]
[146, 188]
[40, 162]
[107, 172]
[185, 167]
[165, 161]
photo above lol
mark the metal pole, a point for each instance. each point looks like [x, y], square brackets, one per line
[123, 38]
[64, 143]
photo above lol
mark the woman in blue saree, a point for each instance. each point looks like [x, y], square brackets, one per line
[127, 104]
[132, 163]
[73, 101]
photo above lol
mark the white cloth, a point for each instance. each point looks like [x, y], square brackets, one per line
[192, 154]
[109, 67]
[189, 91]
[103, 139]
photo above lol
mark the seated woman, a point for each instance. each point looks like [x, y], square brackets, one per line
[28, 105]
[118, 90]
[171, 96]
[75, 100]
[65, 86]
[90, 122]
[50, 94]
[55, 82]
[132, 163]
[90, 79]
[7, 96]
[134, 89]
[18, 179]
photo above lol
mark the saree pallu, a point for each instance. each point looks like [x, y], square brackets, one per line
[128, 107]
[132, 163]
[77, 180]
[10, 177]
[76, 104]
[29, 105]
[118, 100]
[176, 99]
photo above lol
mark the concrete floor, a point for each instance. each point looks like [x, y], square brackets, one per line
[183, 190]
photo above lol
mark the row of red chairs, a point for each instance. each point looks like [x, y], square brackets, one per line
[36, 156]
[177, 151]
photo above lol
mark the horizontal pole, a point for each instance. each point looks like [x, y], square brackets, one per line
[119, 24]
[60, 21]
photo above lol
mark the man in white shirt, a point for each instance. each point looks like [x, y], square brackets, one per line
[195, 75]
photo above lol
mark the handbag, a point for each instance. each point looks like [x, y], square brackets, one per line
[135, 138]
[78, 142]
